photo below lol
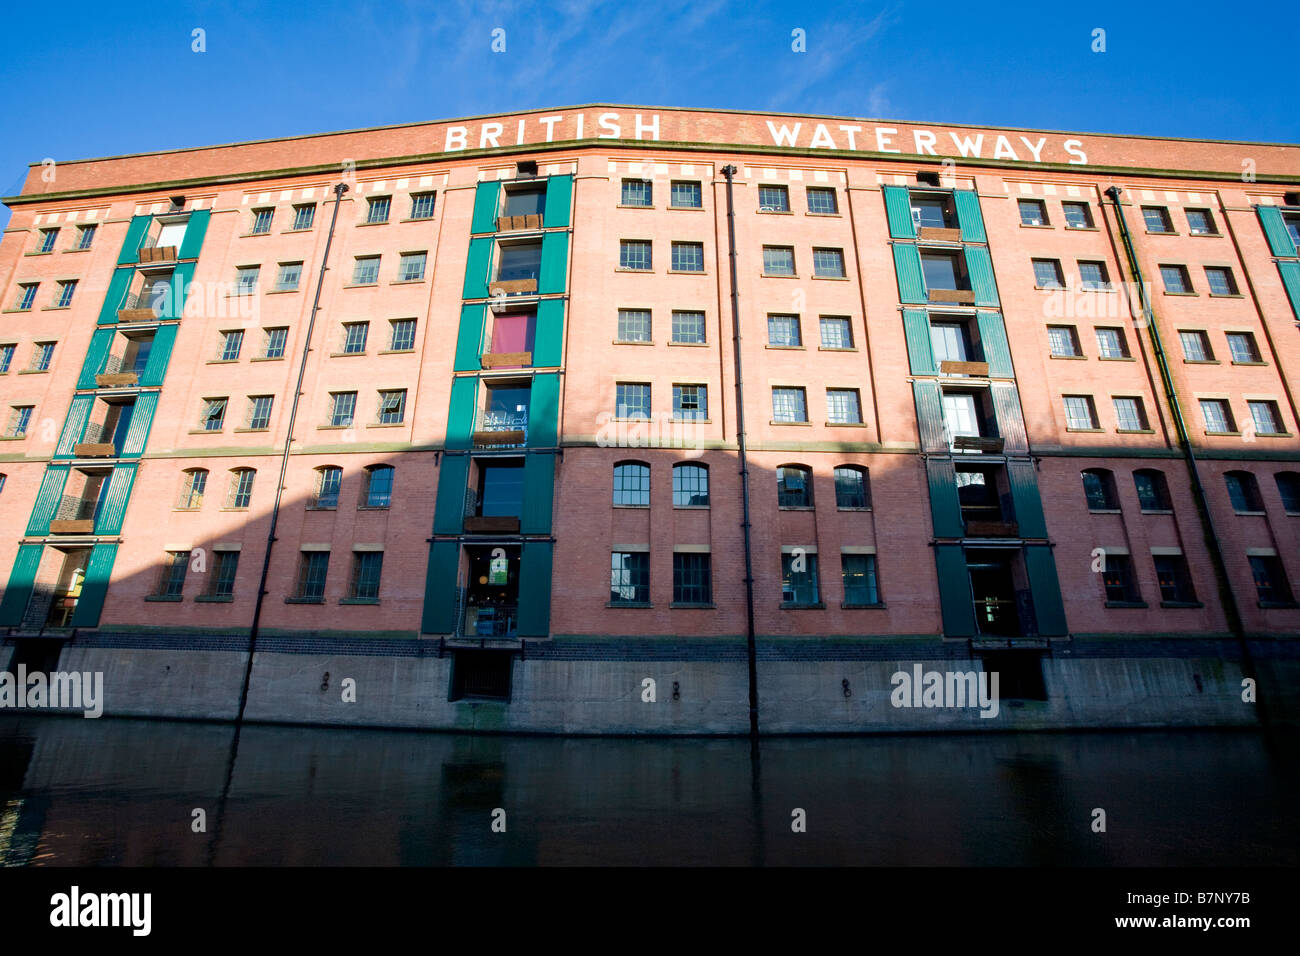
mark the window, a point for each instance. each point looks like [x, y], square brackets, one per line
[629, 578]
[686, 195]
[6, 357]
[1079, 412]
[366, 569]
[525, 200]
[1033, 212]
[392, 406]
[403, 339]
[1121, 585]
[1200, 222]
[1078, 215]
[312, 570]
[262, 221]
[690, 486]
[1270, 580]
[1099, 490]
[822, 201]
[1220, 280]
[520, 260]
[692, 578]
[1047, 274]
[852, 487]
[859, 574]
[632, 484]
[778, 260]
[410, 267]
[688, 328]
[688, 257]
[85, 236]
[63, 298]
[837, 332]
[231, 343]
[1243, 492]
[1292, 223]
[223, 574]
[422, 205]
[691, 402]
[1176, 279]
[343, 407]
[246, 279]
[1152, 490]
[1094, 277]
[783, 331]
[172, 581]
[287, 279]
[20, 416]
[329, 481]
[634, 254]
[1157, 219]
[1174, 579]
[1267, 418]
[961, 415]
[932, 212]
[828, 263]
[377, 209]
[366, 270]
[304, 216]
[1196, 346]
[633, 325]
[1288, 487]
[241, 488]
[637, 192]
[632, 400]
[1241, 345]
[273, 347]
[773, 199]
[26, 296]
[950, 341]
[1217, 415]
[214, 415]
[789, 405]
[799, 579]
[1111, 344]
[1063, 341]
[42, 355]
[843, 406]
[259, 411]
[48, 238]
[193, 483]
[794, 487]
[354, 337]
[379, 487]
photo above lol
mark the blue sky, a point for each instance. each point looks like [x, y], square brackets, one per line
[110, 78]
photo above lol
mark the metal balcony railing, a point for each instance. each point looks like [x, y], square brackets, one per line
[75, 508]
[502, 429]
[152, 300]
[97, 434]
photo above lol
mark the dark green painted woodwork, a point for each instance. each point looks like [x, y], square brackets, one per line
[980, 268]
[440, 582]
[544, 411]
[559, 193]
[1290, 272]
[1279, 240]
[920, 351]
[929, 416]
[113, 508]
[945, 506]
[469, 337]
[19, 589]
[555, 263]
[539, 493]
[453, 482]
[898, 207]
[477, 267]
[487, 199]
[535, 589]
[1010, 419]
[993, 342]
[174, 302]
[911, 284]
[956, 602]
[95, 587]
[1025, 498]
[100, 343]
[548, 338]
[155, 366]
[462, 410]
[969, 219]
[137, 432]
[134, 236]
[74, 426]
[47, 499]
[1045, 587]
[195, 230]
[113, 298]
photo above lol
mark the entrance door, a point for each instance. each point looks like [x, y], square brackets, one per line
[993, 586]
[492, 595]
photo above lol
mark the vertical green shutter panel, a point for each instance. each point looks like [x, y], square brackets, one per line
[93, 590]
[544, 411]
[911, 285]
[1026, 499]
[535, 589]
[1291, 280]
[74, 426]
[134, 236]
[968, 215]
[980, 268]
[555, 263]
[449, 510]
[485, 207]
[539, 492]
[174, 303]
[548, 339]
[47, 499]
[100, 342]
[19, 589]
[155, 366]
[1010, 419]
[945, 505]
[461, 411]
[993, 340]
[113, 508]
[559, 193]
[117, 287]
[195, 230]
[955, 598]
[1040, 568]
[137, 432]
[920, 352]
[477, 266]
[1279, 240]
[469, 338]
[440, 585]
[929, 416]
[898, 206]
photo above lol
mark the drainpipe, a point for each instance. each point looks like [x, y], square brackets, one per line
[729, 172]
[339, 190]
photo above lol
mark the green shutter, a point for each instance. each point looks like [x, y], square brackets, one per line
[535, 589]
[486, 197]
[907, 263]
[440, 586]
[155, 366]
[174, 301]
[1291, 280]
[113, 508]
[113, 298]
[920, 352]
[544, 411]
[93, 590]
[137, 432]
[469, 338]
[1026, 500]
[1010, 419]
[134, 236]
[195, 230]
[449, 511]
[100, 342]
[19, 590]
[548, 337]
[980, 268]
[955, 598]
[477, 266]
[47, 499]
[993, 341]
[461, 412]
[555, 263]
[74, 426]
[945, 506]
[929, 416]
[559, 193]
[1040, 568]
[1279, 240]
[898, 206]
[969, 219]
[539, 492]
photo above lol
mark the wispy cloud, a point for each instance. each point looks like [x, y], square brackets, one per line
[832, 49]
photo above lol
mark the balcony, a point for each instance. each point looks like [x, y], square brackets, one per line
[938, 234]
[119, 373]
[977, 443]
[519, 223]
[952, 296]
[950, 367]
[97, 442]
[987, 528]
[75, 515]
[500, 429]
[150, 254]
[140, 307]
[507, 359]
[524, 286]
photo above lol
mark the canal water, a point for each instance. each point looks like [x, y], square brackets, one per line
[128, 792]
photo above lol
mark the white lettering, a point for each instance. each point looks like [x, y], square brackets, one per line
[1036, 150]
[821, 138]
[851, 131]
[609, 121]
[487, 135]
[1073, 147]
[924, 141]
[883, 137]
[1003, 149]
[967, 146]
[787, 136]
[651, 127]
[549, 122]
[455, 138]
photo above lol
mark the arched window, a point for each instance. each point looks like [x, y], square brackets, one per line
[632, 484]
[1243, 491]
[194, 481]
[1152, 490]
[241, 487]
[329, 480]
[852, 487]
[794, 486]
[1099, 489]
[690, 486]
[379, 486]
[1288, 486]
